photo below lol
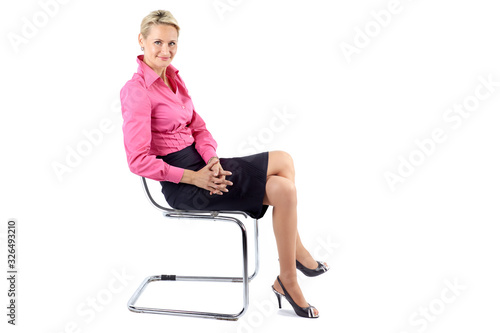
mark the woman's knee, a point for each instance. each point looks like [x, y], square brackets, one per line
[281, 163]
[281, 191]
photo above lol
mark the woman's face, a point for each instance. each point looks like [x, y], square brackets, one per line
[160, 46]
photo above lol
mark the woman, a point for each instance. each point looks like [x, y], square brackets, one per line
[166, 140]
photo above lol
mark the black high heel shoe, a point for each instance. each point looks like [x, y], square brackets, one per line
[301, 312]
[322, 268]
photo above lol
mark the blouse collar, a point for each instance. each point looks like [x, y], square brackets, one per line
[149, 74]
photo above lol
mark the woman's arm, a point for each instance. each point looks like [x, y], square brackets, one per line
[136, 111]
[204, 142]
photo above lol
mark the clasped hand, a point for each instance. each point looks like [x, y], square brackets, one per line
[212, 177]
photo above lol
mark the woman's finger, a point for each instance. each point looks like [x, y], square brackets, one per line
[217, 186]
[211, 164]
[222, 182]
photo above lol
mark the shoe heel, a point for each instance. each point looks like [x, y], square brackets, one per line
[307, 312]
[278, 296]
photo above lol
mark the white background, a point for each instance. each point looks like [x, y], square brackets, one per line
[391, 251]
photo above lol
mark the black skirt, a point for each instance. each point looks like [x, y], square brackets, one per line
[249, 175]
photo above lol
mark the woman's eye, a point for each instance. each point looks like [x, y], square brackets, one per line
[158, 42]
[171, 43]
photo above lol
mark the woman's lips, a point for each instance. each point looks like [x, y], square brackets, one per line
[164, 58]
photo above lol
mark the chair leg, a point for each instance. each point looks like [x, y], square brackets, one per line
[245, 279]
[256, 250]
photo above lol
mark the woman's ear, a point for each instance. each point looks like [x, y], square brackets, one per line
[141, 40]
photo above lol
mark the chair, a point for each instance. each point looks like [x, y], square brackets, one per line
[224, 216]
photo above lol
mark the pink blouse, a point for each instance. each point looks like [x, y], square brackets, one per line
[158, 121]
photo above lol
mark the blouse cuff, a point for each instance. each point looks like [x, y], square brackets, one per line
[175, 174]
[208, 154]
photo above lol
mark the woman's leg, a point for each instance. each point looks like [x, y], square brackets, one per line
[281, 164]
[281, 194]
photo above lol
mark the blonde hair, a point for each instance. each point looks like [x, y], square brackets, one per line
[158, 17]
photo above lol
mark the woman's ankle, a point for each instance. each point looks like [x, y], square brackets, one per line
[288, 277]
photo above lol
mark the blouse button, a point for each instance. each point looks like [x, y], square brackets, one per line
[183, 107]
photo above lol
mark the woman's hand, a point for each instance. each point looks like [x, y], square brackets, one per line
[219, 172]
[211, 178]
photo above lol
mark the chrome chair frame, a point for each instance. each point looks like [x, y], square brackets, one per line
[245, 279]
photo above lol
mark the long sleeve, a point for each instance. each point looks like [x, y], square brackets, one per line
[204, 142]
[136, 111]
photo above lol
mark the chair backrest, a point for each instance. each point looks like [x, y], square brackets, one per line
[151, 199]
